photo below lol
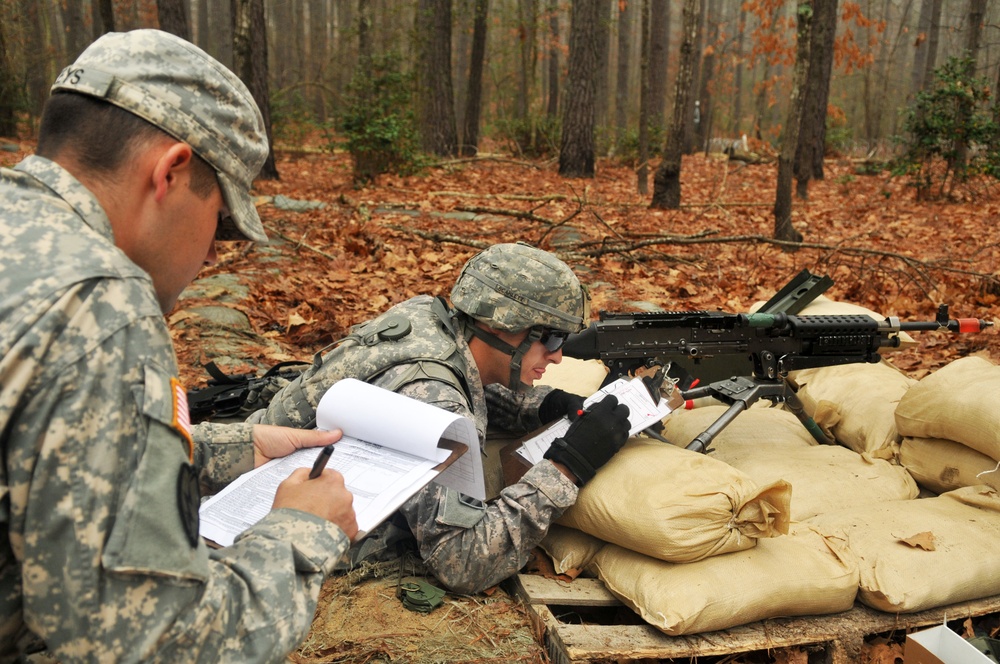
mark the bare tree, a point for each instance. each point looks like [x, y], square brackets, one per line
[920, 47]
[250, 64]
[783, 229]
[473, 106]
[552, 106]
[172, 15]
[667, 181]
[438, 129]
[693, 111]
[642, 172]
[8, 86]
[626, 10]
[576, 153]
[824, 25]
[974, 23]
[659, 48]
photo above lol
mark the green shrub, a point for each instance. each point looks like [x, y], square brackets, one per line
[378, 120]
[951, 134]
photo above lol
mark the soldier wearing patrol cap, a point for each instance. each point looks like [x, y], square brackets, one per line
[513, 306]
[147, 151]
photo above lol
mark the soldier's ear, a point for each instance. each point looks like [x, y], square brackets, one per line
[173, 162]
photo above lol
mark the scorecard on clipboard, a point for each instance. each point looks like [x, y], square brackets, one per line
[643, 413]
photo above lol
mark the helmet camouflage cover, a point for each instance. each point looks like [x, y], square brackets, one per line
[514, 287]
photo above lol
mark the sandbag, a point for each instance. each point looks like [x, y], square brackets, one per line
[571, 550]
[761, 426]
[824, 478]
[677, 505]
[770, 444]
[583, 377]
[957, 402]
[941, 465]
[802, 573]
[921, 554]
[855, 403]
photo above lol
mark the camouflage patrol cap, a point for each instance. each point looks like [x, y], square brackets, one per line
[184, 91]
[514, 287]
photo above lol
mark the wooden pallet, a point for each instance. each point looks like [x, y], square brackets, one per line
[840, 635]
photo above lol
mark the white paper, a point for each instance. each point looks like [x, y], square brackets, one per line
[631, 392]
[380, 476]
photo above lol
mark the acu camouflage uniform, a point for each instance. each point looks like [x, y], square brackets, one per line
[468, 545]
[100, 558]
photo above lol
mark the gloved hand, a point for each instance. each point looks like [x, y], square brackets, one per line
[592, 439]
[558, 403]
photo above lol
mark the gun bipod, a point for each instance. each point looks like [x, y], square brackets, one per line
[741, 392]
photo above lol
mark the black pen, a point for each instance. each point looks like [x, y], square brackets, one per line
[320, 464]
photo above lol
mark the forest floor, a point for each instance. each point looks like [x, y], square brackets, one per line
[349, 253]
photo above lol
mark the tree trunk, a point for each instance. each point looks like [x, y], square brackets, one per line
[711, 28]
[552, 107]
[920, 48]
[976, 13]
[692, 126]
[737, 123]
[9, 95]
[667, 181]
[31, 18]
[813, 114]
[250, 64]
[527, 20]
[576, 153]
[933, 38]
[644, 40]
[825, 56]
[626, 10]
[438, 129]
[107, 11]
[659, 49]
[474, 96]
[602, 97]
[173, 17]
[783, 229]
[75, 34]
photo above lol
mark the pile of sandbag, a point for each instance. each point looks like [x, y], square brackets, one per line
[950, 425]
[855, 527]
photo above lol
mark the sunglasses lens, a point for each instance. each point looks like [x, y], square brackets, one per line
[553, 340]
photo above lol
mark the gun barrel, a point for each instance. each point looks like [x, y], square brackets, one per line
[956, 325]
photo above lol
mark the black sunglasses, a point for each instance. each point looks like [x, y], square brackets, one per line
[553, 340]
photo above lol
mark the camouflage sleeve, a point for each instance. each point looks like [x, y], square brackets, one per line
[104, 520]
[469, 547]
[222, 452]
[515, 412]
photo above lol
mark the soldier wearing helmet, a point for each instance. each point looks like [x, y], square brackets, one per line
[513, 305]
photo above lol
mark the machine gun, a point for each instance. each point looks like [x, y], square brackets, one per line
[757, 350]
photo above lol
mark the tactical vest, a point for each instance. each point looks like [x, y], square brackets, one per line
[420, 332]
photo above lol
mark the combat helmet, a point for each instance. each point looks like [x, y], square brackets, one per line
[515, 287]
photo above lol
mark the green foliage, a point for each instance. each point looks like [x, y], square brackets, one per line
[291, 119]
[951, 134]
[534, 136]
[378, 119]
[628, 150]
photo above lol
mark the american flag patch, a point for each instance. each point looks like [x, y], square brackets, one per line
[182, 416]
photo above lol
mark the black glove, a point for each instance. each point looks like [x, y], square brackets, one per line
[558, 403]
[592, 439]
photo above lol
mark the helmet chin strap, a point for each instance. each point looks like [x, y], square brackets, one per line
[516, 353]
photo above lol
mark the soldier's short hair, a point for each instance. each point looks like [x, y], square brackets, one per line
[102, 137]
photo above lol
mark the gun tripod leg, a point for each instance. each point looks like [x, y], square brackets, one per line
[794, 404]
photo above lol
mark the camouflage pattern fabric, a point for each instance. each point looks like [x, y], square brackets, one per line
[468, 546]
[97, 559]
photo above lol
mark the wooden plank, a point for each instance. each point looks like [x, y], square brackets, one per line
[843, 632]
[581, 592]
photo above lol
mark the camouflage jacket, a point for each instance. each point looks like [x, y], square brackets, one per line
[100, 558]
[468, 545]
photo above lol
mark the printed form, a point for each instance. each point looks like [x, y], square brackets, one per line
[642, 413]
[411, 442]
